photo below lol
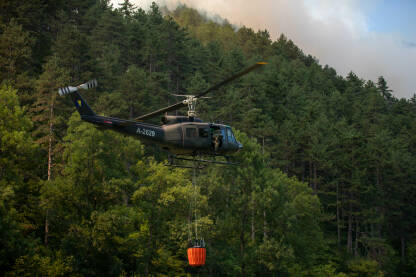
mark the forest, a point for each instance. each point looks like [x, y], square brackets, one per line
[325, 184]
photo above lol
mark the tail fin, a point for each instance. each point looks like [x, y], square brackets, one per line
[79, 102]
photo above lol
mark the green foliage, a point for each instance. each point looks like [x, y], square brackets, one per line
[15, 51]
[364, 267]
[327, 270]
[18, 182]
[325, 185]
[42, 266]
[410, 263]
[15, 145]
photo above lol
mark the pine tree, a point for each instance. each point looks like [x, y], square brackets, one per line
[15, 51]
[383, 88]
[19, 185]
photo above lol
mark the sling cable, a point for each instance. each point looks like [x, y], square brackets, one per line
[196, 247]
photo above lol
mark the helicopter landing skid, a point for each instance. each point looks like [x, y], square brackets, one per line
[196, 161]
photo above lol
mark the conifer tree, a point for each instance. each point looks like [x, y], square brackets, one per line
[15, 51]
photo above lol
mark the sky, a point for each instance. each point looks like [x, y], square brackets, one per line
[372, 38]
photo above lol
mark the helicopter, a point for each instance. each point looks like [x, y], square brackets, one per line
[183, 137]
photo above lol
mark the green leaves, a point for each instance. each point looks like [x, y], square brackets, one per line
[18, 181]
[15, 50]
[16, 147]
[346, 147]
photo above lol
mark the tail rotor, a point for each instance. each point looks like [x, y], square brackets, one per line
[69, 89]
[79, 102]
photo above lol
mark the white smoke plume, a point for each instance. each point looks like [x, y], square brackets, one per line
[335, 32]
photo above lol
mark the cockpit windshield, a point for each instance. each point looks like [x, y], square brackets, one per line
[230, 136]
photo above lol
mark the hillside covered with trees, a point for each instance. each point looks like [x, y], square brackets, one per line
[326, 182]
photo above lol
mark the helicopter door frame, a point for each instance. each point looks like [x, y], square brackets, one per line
[204, 136]
[217, 137]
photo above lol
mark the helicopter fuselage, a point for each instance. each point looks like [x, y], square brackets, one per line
[182, 138]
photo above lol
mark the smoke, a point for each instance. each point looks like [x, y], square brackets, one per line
[335, 32]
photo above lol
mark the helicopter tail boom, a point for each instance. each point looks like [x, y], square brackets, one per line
[146, 132]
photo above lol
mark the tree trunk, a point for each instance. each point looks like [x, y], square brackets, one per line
[177, 79]
[131, 109]
[49, 164]
[315, 179]
[286, 170]
[357, 231]
[310, 173]
[349, 236]
[264, 225]
[46, 227]
[243, 242]
[242, 248]
[303, 178]
[338, 216]
[253, 229]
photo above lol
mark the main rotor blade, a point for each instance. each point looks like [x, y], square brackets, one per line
[232, 78]
[181, 104]
[161, 111]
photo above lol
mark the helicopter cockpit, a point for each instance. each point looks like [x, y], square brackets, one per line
[223, 138]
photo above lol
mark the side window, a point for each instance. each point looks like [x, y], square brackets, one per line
[230, 136]
[203, 133]
[191, 132]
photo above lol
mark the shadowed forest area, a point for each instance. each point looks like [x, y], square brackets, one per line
[326, 184]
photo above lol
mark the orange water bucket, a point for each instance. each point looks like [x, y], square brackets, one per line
[196, 256]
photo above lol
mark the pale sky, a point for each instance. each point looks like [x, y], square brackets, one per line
[369, 37]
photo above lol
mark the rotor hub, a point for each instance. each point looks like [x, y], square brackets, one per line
[191, 102]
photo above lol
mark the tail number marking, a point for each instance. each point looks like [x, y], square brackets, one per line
[145, 132]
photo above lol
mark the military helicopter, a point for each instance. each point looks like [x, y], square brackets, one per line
[183, 137]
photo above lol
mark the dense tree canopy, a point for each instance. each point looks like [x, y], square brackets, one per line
[326, 182]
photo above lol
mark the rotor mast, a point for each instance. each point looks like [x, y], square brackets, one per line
[191, 102]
